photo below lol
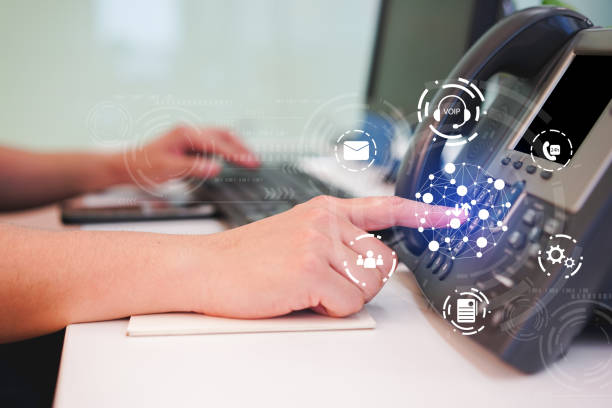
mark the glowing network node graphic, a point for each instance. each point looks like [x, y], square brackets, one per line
[474, 197]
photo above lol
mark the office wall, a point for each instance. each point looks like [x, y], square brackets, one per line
[88, 74]
[82, 74]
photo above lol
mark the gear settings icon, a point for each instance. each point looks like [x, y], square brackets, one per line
[555, 255]
[552, 250]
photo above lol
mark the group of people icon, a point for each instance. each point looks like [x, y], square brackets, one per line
[369, 262]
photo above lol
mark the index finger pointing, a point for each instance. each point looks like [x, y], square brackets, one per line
[375, 213]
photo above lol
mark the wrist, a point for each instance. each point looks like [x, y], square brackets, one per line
[98, 171]
[188, 259]
[114, 169]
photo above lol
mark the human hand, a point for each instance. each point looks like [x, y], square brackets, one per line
[184, 151]
[294, 260]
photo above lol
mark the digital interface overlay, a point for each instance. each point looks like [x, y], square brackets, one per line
[469, 192]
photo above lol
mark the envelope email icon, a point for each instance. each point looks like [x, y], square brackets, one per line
[356, 150]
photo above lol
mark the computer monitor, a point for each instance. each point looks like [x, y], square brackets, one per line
[418, 41]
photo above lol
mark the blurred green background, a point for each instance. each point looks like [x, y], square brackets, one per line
[82, 74]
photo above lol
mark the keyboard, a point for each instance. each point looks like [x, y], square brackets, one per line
[243, 196]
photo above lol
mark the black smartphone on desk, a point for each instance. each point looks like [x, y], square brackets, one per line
[127, 203]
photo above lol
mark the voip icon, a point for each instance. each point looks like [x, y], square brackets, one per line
[453, 111]
[356, 150]
[460, 110]
[551, 151]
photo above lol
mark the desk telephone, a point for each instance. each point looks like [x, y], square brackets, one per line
[542, 69]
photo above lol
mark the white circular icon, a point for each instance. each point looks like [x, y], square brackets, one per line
[561, 251]
[554, 146]
[355, 150]
[466, 311]
[369, 260]
[459, 99]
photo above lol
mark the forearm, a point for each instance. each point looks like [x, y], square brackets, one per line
[32, 179]
[51, 279]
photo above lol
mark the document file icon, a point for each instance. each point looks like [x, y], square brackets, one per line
[466, 311]
[356, 150]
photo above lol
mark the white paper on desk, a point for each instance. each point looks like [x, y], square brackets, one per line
[173, 324]
[189, 227]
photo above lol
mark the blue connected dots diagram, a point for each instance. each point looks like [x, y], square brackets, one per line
[470, 194]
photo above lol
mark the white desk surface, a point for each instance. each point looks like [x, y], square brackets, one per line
[412, 358]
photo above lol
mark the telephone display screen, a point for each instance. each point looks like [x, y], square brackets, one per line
[571, 110]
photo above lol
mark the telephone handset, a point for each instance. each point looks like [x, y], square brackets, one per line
[527, 52]
[548, 151]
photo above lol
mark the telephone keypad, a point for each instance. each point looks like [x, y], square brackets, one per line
[522, 238]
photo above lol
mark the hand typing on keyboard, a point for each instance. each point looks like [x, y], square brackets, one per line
[295, 260]
[183, 152]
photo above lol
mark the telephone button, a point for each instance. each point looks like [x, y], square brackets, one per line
[516, 240]
[515, 191]
[506, 160]
[552, 226]
[499, 213]
[534, 234]
[531, 217]
[458, 248]
[482, 196]
[473, 225]
[429, 258]
[545, 174]
[504, 280]
[531, 169]
[517, 164]
[492, 198]
[445, 269]
[437, 264]
[533, 250]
